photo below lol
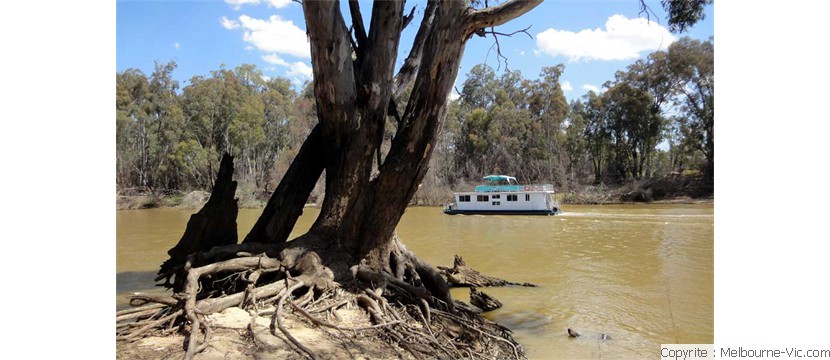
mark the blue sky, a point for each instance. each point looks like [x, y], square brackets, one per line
[592, 38]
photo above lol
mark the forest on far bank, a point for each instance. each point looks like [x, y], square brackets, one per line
[654, 120]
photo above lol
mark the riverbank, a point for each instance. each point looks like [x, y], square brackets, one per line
[672, 189]
[235, 336]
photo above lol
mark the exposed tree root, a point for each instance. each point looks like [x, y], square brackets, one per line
[278, 318]
[462, 275]
[404, 303]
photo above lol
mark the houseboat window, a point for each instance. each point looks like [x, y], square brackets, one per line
[464, 198]
[483, 198]
[512, 197]
[496, 202]
[527, 197]
[496, 196]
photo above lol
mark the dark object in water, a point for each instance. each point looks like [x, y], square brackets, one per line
[483, 301]
[604, 337]
[572, 333]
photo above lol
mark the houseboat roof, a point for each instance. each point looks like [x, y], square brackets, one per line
[499, 178]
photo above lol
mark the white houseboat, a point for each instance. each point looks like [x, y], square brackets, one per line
[503, 195]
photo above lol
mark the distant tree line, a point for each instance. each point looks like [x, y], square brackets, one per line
[655, 118]
[167, 138]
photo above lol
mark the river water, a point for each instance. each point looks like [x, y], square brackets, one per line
[642, 274]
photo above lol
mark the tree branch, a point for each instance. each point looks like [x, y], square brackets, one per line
[408, 157]
[382, 49]
[408, 18]
[331, 60]
[287, 202]
[410, 66]
[497, 45]
[357, 24]
[379, 66]
[500, 14]
[482, 32]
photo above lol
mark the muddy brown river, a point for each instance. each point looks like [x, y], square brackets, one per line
[642, 274]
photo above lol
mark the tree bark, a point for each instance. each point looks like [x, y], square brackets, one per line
[214, 225]
[286, 203]
[413, 61]
[351, 104]
[502, 13]
[408, 158]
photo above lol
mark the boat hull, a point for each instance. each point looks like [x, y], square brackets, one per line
[554, 211]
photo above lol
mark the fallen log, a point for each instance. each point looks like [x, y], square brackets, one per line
[461, 275]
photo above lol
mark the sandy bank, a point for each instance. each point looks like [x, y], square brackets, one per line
[231, 339]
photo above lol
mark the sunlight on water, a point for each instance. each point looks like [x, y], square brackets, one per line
[643, 274]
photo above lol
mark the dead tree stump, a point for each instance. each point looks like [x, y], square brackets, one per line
[214, 225]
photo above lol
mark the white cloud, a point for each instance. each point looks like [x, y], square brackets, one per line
[274, 59]
[454, 95]
[275, 35]
[279, 3]
[622, 39]
[228, 23]
[522, 52]
[266, 78]
[566, 86]
[300, 68]
[591, 88]
[237, 4]
[176, 45]
[296, 69]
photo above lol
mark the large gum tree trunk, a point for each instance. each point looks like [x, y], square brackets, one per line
[355, 87]
[352, 106]
[353, 94]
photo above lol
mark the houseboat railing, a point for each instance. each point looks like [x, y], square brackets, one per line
[513, 188]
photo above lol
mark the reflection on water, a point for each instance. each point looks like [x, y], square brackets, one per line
[642, 274]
